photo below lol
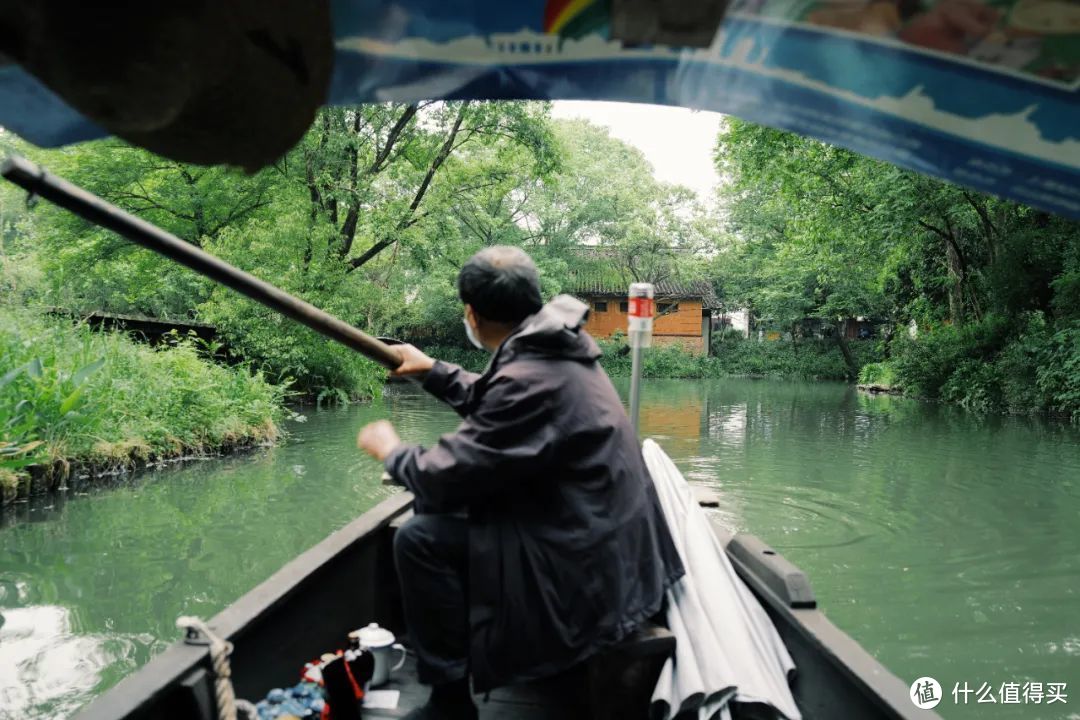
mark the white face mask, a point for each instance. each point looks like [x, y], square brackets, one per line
[472, 336]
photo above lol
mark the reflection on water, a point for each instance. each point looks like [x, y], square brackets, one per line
[947, 544]
[48, 668]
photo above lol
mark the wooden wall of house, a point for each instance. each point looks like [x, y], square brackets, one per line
[683, 325]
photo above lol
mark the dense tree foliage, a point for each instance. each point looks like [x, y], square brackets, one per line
[991, 286]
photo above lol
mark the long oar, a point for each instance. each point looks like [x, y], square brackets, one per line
[86, 205]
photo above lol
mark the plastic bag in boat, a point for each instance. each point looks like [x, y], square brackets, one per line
[727, 649]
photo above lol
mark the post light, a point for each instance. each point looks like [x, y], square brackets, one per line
[640, 335]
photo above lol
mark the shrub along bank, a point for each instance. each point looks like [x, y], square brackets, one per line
[69, 395]
[808, 360]
[1023, 365]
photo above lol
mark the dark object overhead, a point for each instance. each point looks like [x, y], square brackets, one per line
[238, 81]
[682, 23]
[234, 82]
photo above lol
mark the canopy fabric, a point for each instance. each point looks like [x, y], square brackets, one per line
[985, 93]
[727, 648]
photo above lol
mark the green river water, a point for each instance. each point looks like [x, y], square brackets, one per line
[947, 544]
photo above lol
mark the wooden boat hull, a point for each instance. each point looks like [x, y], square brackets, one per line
[348, 580]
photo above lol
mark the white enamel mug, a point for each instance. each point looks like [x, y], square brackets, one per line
[380, 643]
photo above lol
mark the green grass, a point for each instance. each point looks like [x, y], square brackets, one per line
[69, 394]
[880, 375]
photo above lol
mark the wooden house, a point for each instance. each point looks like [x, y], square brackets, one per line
[683, 311]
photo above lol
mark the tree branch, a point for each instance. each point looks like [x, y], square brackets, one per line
[348, 228]
[418, 197]
[391, 139]
[989, 229]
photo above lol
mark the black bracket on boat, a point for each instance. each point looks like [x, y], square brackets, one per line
[790, 584]
[197, 632]
[192, 636]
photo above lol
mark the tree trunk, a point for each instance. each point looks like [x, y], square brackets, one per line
[309, 169]
[352, 217]
[956, 283]
[988, 227]
[890, 333]
[845, 350]
[957, 266]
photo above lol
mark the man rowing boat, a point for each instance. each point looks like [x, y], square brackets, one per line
[538, 537]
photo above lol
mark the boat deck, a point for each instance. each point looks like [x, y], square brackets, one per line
[557, 698]
[540, 701]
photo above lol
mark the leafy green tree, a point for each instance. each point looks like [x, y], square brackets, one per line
[807, 258]
[603, 211]
[816, 231]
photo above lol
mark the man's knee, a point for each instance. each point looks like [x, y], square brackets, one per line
[427, 535]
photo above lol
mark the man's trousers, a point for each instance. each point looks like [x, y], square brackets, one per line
[431, 553]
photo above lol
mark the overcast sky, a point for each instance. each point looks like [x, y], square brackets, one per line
[678, 142]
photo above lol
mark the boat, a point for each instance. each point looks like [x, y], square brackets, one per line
[348, 580]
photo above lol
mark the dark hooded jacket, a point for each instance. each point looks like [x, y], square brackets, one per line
[568, 547]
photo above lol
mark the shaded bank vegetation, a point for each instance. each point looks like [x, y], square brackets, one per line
[809, 360]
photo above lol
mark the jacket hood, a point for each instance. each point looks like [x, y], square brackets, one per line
[556, 330]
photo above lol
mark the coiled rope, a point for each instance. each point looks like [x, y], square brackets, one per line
[198, 633]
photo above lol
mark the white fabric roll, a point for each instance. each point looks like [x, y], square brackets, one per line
[726, 646]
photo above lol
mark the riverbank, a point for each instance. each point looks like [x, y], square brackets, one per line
[879, 378]
[1028, 365]
[808, 360]
[1024, 367]
[77, 401]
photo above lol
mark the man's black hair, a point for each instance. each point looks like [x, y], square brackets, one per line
[501, 283]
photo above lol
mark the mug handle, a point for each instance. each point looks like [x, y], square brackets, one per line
[404, 653]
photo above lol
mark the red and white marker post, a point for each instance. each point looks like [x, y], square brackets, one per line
[641, 312]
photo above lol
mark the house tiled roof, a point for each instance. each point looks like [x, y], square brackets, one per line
[665, 290]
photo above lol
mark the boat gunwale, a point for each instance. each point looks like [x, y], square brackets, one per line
[178, 661]
[863, 670]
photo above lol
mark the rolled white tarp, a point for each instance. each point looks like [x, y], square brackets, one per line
[727, 648]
